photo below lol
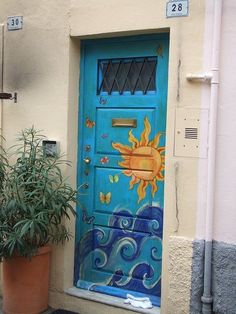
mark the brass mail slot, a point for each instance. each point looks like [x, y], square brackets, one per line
[124, 122]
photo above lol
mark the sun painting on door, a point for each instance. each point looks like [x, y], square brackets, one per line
[144, 160]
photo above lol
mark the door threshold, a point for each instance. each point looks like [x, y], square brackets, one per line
[109, 300]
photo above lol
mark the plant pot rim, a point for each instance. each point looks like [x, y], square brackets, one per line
[40, 251]
[43, 250]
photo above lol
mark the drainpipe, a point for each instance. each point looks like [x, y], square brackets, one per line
[207, 298]
[213, 78]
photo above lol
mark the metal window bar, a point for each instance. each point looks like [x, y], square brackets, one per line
[138, 78]
[126, 79]
[115, 80]
[103, 77]
[135, 78]
[151, 78]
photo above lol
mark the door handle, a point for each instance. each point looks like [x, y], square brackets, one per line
[86, 185]
[87, 160]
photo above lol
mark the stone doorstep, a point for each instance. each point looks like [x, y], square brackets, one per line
[102, 298]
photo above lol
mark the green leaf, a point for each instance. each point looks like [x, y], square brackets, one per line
[35, 197]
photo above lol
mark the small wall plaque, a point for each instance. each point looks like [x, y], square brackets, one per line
[177, 8]
[51, 148]
[14, 23]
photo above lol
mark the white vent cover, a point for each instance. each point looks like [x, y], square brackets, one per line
[190, 126]
[191, 133]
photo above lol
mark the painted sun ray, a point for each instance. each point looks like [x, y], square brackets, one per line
[135, 161]
[126, 157]
[133, 181]
[145, 133]
[162, 172]
[155, 141]
[133, 140]
[128, 173]
[161, 149]
[124, 164]
[154, 187]
[142, 190]
[123, 149]
[160, 177]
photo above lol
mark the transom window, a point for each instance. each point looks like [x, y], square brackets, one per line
[127, 75]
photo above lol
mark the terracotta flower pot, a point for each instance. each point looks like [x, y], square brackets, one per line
[25, 283]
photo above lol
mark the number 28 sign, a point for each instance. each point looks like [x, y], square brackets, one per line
[177, 8]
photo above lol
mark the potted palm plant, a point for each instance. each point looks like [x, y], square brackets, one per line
[35, 202]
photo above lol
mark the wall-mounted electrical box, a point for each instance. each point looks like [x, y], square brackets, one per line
[51, 148]
[191, 132]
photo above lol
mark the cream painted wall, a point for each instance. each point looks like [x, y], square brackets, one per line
[38, 67]
[42, 65]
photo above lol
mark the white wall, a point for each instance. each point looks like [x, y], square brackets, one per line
[225, 194]
[224, 221]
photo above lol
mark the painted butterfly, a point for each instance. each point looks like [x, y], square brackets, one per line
[102, 101]
[89, 124]
[105, 198]
[105, 135]
[114, 179]
[87, 219]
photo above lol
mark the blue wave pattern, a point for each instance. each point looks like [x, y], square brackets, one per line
[127, 255]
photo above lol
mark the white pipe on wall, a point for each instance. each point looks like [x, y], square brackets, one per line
[199, 76]
[213, 118]
[207, 294]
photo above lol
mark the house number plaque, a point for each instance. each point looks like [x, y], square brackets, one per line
[14, 23]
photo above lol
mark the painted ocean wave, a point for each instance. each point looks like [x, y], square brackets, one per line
[127, 255]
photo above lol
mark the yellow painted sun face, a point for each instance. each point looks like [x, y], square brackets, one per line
[144, 161]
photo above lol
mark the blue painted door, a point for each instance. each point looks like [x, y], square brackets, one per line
[121, 164]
